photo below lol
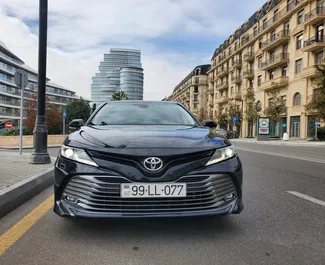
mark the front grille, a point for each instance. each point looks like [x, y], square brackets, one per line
[102, 194]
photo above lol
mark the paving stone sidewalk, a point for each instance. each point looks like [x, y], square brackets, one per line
[15, 168]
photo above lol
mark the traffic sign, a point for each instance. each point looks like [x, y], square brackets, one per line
[64, 113]
[234, 119]
[21, 78]
[8, 125]
[317, 124]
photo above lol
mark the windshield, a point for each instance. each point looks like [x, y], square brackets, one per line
[142, 114]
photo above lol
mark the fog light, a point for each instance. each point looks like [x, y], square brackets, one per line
[229, 196]
[71, 199]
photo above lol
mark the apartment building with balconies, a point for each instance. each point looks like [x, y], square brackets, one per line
[10, 94]
[275, 50]
[192, 91]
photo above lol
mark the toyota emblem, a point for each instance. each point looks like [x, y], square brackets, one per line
[153, 163]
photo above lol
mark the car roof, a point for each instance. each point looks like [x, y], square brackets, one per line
[143, 101]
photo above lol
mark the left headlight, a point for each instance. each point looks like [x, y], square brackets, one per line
[221, 155]
[78, 155]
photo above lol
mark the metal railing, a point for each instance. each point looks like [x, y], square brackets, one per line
[320, 10]
[275, 59]
[315, 39]
[277, 36]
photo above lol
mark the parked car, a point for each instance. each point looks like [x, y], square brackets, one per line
[146, 159]
[222, 132]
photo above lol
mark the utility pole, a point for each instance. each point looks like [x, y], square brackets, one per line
[40, 154]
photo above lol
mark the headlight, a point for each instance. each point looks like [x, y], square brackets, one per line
[78, 155]
[221, 155]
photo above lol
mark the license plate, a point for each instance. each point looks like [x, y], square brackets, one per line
[146, 190]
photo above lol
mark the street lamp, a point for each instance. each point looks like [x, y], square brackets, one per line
[40, 154]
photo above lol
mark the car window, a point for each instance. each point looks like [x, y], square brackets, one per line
[143, 114]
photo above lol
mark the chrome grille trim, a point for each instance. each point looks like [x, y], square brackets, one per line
[102, 194]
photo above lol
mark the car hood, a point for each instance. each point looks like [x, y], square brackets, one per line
[124, 137]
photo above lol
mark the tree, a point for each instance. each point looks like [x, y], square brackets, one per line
[251, 113]
[203, 115]
[119, 95]
[234, 111]
[53, 116]
[78, 109]
[316, 105]
[222, 117]
[275, 108]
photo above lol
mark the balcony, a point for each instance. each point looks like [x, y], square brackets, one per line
[279, 38]
[235, 95]
[222, 72]
[223, 99]
[222, 86]
[275, 83]
[211, 104]
[249, 74]
[249, 57]
[317, 15]
[236, 79]
[7, 69]
[236, 64]
[310, 72]
[313, 44]
[275, 61]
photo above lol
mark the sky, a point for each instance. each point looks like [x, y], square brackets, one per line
[173, 35]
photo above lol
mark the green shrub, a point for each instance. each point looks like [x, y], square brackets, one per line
[320, 133]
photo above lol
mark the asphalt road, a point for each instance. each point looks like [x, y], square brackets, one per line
[276, 227]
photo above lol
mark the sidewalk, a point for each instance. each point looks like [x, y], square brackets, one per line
[26, 147]
[280, 142]
[19, 180]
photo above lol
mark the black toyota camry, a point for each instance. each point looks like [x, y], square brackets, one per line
[146, 159]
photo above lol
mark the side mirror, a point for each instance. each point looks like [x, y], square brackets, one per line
[76, 124]
[209, 123]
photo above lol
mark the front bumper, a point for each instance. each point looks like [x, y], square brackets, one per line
[91, 192]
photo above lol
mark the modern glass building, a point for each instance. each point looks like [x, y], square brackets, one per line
[9, 93]
[121, 69]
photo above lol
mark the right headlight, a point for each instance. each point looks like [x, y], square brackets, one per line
[221, 155]
[78, 155]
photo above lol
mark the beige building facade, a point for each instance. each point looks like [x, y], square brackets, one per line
[192, 91]
[276, 50]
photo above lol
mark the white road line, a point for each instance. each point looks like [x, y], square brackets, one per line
[306, 197]
[282, 155]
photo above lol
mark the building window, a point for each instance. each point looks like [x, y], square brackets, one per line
[259, 62]
[239, 88]
[272, 74]
[230, 51]
[259, 80]
[319, 57]
[273, 35]
[196, 89]
[286, 27]
[285, 49]
[198, 71]
[258, 106]
[196, 98]
[284, 70]
[300, 39]
[260, 43]
[297, 99]
[195, 105]
[255, 31]
[251, 83]
[197, 80]
[320, 33]
[232, 90]
[300, 18]
[298, 66]
[276, 15]
[236, 46]
[265, 23]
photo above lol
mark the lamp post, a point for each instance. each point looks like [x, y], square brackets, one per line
[40, 154]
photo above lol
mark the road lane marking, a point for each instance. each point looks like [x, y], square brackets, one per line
[282, 155]
[306, 197]
[19, 229]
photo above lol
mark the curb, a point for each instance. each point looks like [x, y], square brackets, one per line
[26, 147]
[19, 193]
[313, 144]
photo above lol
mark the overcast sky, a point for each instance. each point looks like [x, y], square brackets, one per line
[173, 35]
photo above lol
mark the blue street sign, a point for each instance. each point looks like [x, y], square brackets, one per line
[317, 124]
[64, 113]
[234, 119]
